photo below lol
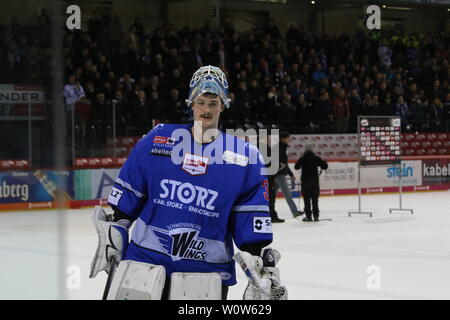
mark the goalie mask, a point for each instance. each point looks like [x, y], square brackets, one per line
[209, 79]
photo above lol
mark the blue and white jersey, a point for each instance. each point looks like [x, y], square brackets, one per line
[190, 201]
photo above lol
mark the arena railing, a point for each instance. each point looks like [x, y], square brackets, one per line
[27, 135]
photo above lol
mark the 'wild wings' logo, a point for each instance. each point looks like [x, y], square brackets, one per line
[182, 243]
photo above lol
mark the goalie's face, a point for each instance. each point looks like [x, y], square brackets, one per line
[207, 108]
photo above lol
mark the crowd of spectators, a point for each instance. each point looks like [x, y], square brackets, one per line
[301, 81]
[25, 51]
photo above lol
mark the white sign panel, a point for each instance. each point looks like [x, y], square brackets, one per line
[339, 175]
[344, 175]
[388, 176]
[10, 93]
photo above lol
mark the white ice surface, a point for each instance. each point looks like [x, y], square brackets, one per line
[324, 260]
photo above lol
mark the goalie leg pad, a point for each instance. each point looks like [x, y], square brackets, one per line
[135, 280]
[195, 286]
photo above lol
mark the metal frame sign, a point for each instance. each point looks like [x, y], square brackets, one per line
[379, 140]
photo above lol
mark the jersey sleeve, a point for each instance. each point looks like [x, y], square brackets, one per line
[130, 189]
[250, 213]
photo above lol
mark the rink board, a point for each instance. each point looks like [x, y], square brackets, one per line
[24, 190]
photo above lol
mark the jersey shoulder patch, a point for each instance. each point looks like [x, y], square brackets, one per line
[162, 133]
[244, 152]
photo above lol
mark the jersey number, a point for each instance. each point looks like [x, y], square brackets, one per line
[265, 185]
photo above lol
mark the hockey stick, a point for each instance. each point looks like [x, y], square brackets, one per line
[112, 270]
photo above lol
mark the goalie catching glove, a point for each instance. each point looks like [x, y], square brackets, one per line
[264, 277]
[112, 241]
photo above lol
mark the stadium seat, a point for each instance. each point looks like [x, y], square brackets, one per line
[421, 137]
[294, 155]
[404, 144]
[431, 151]
[436, 144]
[408, 137]
[415, 144]
[124, 151]
[409, 152]
[426, 144]
[421, 152]
[128, 141]
[110, 142]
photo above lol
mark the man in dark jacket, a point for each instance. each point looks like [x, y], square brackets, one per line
[309, 163]
[272, 183]
[280, 178]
